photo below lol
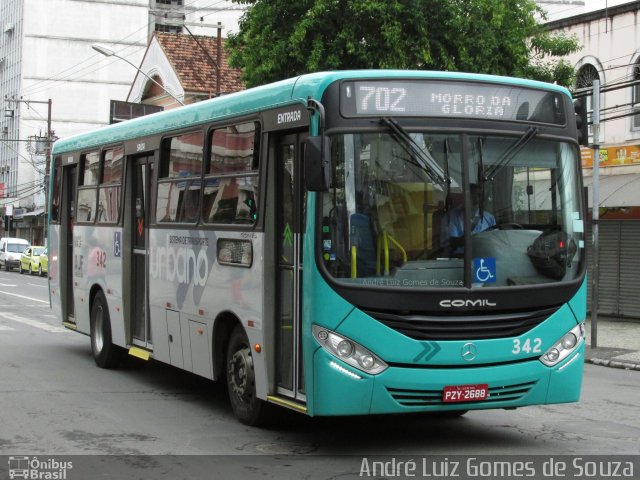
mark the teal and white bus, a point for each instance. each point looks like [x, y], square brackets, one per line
[340, 243]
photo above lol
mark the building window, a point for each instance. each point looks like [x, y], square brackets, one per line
[160, 27]
[169, 2]
[586, 75]
[636, 98]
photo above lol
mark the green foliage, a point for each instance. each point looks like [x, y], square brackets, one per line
[283, 38]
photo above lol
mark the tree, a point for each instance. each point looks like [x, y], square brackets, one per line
[283, 38]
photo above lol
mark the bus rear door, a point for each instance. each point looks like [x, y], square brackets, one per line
[138, 219]
[67, 210]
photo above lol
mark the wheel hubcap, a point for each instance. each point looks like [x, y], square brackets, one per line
[99, 336]
[240, 374]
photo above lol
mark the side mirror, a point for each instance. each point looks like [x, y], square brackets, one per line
[317, 168]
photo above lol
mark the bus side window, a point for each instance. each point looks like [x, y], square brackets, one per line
[190, 203]
[231, 185]
[109, 191]
[179, 183]
[87, 188]
[54, 213]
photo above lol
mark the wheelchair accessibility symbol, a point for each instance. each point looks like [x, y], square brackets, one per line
[484, 270]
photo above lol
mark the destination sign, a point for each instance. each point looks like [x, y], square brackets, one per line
[451, 99]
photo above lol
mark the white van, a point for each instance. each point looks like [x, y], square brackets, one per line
[10, 250]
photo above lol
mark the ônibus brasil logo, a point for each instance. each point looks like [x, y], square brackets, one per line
[38, 469]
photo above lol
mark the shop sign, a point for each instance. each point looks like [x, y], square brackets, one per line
[612, 156]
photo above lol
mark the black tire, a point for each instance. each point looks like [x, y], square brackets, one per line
[241, 385]
[105, 353]
[40, 272]
[20, 267]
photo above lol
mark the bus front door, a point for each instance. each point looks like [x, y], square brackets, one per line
[141, 177]
[289, 213]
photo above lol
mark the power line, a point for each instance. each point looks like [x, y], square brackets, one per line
[616, 117]
[43, 85]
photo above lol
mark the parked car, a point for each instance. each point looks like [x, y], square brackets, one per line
[44, 263]
[30, 260]
[10, 250]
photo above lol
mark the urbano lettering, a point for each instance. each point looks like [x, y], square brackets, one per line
[180, 264]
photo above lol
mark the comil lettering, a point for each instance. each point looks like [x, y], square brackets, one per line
[475, 105]
[288, 117]
[180, 264]
[466, 303]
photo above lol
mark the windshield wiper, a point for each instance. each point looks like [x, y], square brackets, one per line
[481, 177]
[424, 159]
[511, 152]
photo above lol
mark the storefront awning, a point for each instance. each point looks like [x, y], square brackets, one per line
[616, 190]
[35, 213]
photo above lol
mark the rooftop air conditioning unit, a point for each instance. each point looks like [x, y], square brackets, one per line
[8, 27]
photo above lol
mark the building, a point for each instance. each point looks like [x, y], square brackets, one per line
[187, 66]
[611, 54]
[53, 84]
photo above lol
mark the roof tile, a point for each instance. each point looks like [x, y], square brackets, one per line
[195, 68]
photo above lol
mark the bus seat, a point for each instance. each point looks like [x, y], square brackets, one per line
[439, 229]
[364, 241]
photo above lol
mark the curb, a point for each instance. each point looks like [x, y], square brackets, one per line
[614, 364]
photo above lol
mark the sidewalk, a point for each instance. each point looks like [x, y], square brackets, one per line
[618, 343]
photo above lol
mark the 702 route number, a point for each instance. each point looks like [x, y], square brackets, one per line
[528, 346]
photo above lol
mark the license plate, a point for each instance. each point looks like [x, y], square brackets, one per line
[465, 393]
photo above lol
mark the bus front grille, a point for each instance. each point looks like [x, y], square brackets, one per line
[462, 327]
[423, 398]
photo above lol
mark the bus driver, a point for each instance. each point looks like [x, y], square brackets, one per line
[480, 221]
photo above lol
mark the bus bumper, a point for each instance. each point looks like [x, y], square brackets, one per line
[340, 389]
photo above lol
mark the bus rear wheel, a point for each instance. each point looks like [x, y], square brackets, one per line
[105, 353]
[241, 385]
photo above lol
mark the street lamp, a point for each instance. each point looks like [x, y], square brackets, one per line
[107, 52]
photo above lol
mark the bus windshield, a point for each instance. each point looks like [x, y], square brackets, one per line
[397, 216]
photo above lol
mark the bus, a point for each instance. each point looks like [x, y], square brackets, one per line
[339, 243]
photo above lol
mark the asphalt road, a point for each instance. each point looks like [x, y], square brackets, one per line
[55, 401]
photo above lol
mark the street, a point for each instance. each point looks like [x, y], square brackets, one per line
[55, 401]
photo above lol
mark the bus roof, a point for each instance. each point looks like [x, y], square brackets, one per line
[255, 99]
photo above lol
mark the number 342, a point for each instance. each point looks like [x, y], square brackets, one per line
[528, 346]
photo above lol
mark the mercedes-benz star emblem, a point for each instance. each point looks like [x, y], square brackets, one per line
[469, 351]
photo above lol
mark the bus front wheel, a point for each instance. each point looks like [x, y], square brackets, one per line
[241, 385]
[105, 353]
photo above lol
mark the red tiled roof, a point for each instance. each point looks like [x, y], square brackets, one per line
[195, 69]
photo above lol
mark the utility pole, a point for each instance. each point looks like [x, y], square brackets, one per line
[48, 102]
[49, 140]
[49, 131]
[595, 212]
[218, 61]
[218, 58]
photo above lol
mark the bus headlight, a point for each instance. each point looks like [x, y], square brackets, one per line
[348, 351]
[564, 347]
